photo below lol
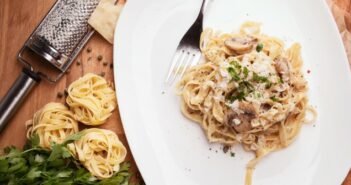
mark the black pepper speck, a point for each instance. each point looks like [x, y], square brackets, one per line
[225, 149]
[59, 95]
[100, 57]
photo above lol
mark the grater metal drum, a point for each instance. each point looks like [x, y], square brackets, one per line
[49, 50]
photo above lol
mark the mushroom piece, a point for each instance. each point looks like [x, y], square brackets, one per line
[283, 69]
[240, 45]
[241, 122]
[266, 106]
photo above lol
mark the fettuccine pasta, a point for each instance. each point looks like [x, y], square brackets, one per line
[100, 151]
[53, 123]
[249, 90]
[92, 99]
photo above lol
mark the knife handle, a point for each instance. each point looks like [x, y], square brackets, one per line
[16, 95]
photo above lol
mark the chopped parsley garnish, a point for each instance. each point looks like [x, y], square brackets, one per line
[281, 80]
[246, 87]
[239, 96]
[232, 154]
[246, 72]
[235, 64]
[233, 73]
[236, 70]
[273, 98]
[262, 79]
[241, 92]
[259, 47]
[239, 75]
[268, 85]
[257, 94]
[258, 78]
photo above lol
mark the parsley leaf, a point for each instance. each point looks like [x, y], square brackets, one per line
[273, 98]
[56, 152]
[235, 76]
[258, 78]
[235, 64]
[60, 150]
[246, 72]
[120, 178]
[239, 75]
[4, 165]
[259, 47]
[241, 92]
[73, 138]
[33, 173]
[35, 140]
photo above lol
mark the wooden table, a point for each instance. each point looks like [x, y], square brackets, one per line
[17, 20]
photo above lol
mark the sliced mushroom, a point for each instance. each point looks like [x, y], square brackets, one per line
[283, 69]
[266, 106]
[241, 122]
[240, 45]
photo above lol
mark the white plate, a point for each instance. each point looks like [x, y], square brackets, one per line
[171, 150]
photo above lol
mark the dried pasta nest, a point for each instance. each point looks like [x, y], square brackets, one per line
[53, 123]
[92, 99]
[100, 151]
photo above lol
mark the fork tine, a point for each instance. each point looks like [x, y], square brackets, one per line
[196, 60]
[187, 64]
[175, 60]
[189, 42]
[181, 63]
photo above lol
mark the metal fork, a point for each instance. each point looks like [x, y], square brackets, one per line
[188, 51]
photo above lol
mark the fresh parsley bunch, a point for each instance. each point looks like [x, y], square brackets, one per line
[39, 166]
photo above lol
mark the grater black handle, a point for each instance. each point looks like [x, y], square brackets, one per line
[15, 96]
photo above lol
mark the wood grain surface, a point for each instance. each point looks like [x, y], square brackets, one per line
[17, 20]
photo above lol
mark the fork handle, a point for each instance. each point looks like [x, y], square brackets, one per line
[203, 6]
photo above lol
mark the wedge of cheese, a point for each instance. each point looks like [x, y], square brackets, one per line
[105, 17]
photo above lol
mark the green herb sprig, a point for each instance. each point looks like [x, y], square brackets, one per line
[39, 166]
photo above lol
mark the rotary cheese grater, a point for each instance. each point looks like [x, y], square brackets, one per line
[49, 50]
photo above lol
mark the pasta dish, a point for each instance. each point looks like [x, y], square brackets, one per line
[249, 90]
